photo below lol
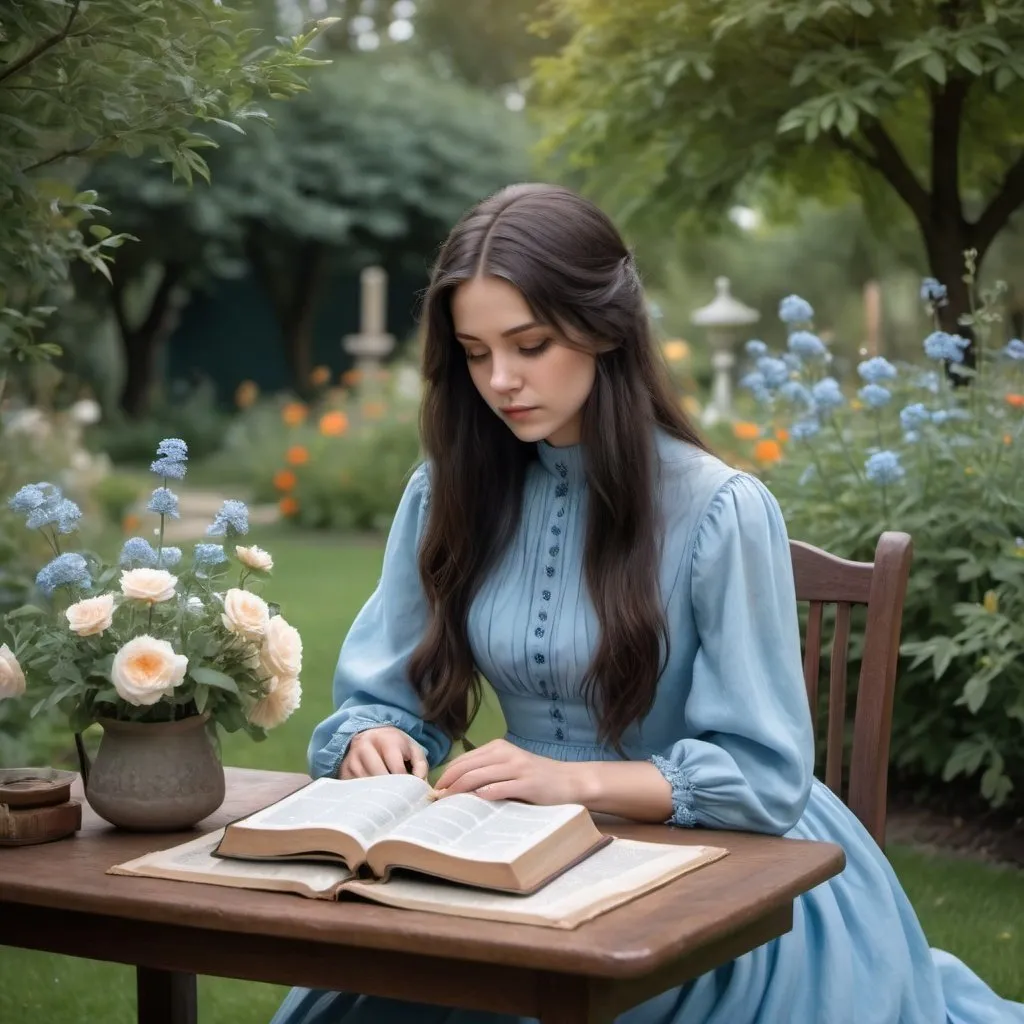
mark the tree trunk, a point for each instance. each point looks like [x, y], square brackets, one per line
[142, 343]
[300, 318]
[946, 242]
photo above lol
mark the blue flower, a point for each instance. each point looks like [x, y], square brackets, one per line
[874, 371]
[944, 347]
[827, 393]
[209, 554]
[927, 380]
[797, 393]
[231, 520]
[874, 395]
[164, 503]
[173, 448]
[169, 468]
[755, 383]
[933, 292]
[1014, 350]
[137, 552]
[68, 570]
[794, 310]
[68, 516]
[792, 361]
[803, 430]
[28, 498]
[755, 347]
[774, 371]
[62, 512]
[170, 556]
[884, 468]
[807, 345]
[941, 416]
[806, 476]
[914, 416]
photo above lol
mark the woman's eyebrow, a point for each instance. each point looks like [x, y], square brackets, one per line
[505, 334]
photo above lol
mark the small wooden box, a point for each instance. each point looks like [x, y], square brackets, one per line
[23, 826]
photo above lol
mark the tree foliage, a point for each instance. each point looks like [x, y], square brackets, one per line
[82, 80]
[668, 107]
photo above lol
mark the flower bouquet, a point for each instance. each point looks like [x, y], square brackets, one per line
[159, 653]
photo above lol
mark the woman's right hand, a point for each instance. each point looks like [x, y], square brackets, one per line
[383, 750]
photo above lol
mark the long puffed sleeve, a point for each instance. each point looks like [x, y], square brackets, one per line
[749, 764]
[371, 686]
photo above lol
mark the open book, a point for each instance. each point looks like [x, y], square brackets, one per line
[375, 825]
[616, 874]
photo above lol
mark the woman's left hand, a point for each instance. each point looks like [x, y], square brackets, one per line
[499, 770]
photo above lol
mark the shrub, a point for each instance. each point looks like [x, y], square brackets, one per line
[938, 452]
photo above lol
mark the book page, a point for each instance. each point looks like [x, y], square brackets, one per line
[612, 876]
[477, 829]
[363, 808]
[194, 861]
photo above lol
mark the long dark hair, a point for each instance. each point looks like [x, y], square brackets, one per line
[575, 272]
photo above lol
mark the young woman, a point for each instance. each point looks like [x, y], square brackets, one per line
[630, 598]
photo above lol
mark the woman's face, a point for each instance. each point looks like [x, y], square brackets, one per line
[524, 370]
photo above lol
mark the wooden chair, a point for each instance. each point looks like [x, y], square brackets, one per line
[823, 578]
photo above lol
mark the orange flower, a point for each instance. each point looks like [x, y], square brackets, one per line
[1016, 401]
[320, 376]
[333, 424]
[131, 523]
[297, 455]
[288, 506]
[746, 431]
[294, 413]
[676, 350]
[284, 480]
[351, 377]
[768, 451]
[246, 393]
[782, 435]
[374, 410]
[1007, 438]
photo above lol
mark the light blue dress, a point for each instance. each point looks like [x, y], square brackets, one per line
[730, 730]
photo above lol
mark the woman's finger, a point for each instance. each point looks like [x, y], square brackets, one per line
[486, 775]
[414, 755]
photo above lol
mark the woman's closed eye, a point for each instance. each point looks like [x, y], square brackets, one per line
[526, 350]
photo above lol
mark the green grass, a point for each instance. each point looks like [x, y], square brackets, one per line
[974, 911]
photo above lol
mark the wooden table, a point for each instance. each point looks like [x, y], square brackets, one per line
[57, 897]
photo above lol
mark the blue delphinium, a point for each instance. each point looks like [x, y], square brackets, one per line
[797, 393]
[913, 417]
[805, 429]
[755, 347]
[874, 395]
[941, 416]
[876, 370]
[884, 468]
[794, 310]
[807, 345]
[755, 383]
[43, 504]
[209, 554]
[164, 503]
[67, 570]
[944, 347]
[231, 521]
[137, 553]
[1014, 350]
[933, 292]
[172, 459]
[774, 371]
[28, 499]
[169, 557]
[827, 393]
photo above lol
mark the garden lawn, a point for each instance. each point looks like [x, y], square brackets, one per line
[974, 911]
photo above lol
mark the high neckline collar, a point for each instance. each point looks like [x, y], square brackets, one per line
[566, 463]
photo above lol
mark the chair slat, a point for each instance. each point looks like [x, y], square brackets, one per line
[837, 700]
[812, 658]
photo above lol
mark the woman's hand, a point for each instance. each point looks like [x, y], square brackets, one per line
[383, 750]
[499, 770]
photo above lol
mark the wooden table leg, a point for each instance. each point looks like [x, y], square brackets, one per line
[165, 997]
[568, 1000]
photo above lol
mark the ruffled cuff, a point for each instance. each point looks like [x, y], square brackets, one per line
[679, 779]
[327, 760]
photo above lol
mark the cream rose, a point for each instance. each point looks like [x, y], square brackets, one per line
[255, 558]
[12, 679]
[150, 585]
[281, 654]
[92, 615]
[245, 613]
[145, 669]
[283, 695]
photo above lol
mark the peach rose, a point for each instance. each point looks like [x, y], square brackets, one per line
[255, 558]
[282, 649]
[92, 615]
[150, 585]
[12, 679]
[283, 695]
[245, 613]
[146, 669]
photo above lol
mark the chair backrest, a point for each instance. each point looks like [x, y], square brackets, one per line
[821, 579]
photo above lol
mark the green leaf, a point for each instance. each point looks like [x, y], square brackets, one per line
[27, 611]
[201, 696]
[935, 68]
[975, 693]
[969, 60]
[206, 676]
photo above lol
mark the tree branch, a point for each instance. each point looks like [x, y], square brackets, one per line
[62, 155]
[1000, 208]
[890, 164]
[947, 120]
[43, 46]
